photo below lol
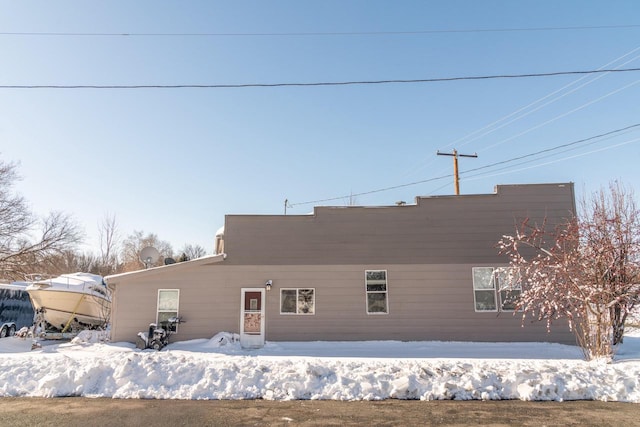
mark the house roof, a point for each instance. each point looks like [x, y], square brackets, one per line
[206, 260]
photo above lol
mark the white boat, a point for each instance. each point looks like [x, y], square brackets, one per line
[70, 302]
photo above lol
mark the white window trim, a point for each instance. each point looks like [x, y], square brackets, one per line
[495, 297]
[158, 311]
[497, 291]
[297, 313]
[500, 288]
[386, 292]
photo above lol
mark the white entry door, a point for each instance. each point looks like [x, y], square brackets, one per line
[252, 317]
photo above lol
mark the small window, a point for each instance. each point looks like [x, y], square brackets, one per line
[509, 287]
[376, 290]
[297, 301]
[484, 289]
[168, 300]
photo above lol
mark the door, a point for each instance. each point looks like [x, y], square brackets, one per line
[252, 318]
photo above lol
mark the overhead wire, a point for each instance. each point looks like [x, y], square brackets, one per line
[558, 117]
[364, 193]
[343, 83]
[539, 107]
[492, 127]
[567, 148]
[529, 75]
[319, 33]
[482, 176]
[547, 150]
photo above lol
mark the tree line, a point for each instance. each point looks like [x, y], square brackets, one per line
[50, 244]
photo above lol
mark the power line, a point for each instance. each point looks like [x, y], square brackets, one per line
[557, 147]
[494, 170]
[484, 175]
[371, 192]
[558, 117]
[505, 120]
[324, 34]
[531, 108]
[346, 83]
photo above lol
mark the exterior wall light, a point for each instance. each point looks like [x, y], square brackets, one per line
[268, 284]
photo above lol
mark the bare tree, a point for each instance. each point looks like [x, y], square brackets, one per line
[135, 242]
[109, 242]
[71, 261]
[587, 270]
[353, 200]
[189, 252]
[103, 263]
[23, 253]
[26, 242]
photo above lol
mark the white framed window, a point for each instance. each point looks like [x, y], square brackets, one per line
[484, 289]
[168, 303]
[509, 287]
[495, 288]
[298, 301]
[375, 283]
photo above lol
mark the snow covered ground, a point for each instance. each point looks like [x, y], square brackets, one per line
[219, 369]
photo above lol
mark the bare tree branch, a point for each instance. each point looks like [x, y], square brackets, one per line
[26, 243]
[135, 242]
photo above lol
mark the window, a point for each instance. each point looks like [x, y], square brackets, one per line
[484, 289]
[376, 288]
[167, 307]
[491, 285]
[509, 287]
[297, 301]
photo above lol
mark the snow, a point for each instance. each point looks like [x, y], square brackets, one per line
[218, 368]
[69, 282]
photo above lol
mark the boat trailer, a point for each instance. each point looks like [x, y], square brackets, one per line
[43, 330]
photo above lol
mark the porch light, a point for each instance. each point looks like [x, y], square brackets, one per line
[268, 284]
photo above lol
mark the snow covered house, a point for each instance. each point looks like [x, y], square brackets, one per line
[423, 271]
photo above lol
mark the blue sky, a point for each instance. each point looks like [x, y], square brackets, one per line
[175, 161]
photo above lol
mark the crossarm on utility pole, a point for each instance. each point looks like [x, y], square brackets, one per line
[456, 179]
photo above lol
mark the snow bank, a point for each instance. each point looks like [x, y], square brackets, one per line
[91, 336]
[219, 369]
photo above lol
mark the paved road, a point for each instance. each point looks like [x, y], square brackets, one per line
[75, 411]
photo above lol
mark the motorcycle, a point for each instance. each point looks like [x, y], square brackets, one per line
[157, 337]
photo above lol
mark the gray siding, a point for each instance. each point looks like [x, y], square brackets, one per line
[426, 302]
[437, 230]
[428, 250]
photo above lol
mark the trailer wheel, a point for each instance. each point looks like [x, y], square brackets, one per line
[12, 330]
[4, 331]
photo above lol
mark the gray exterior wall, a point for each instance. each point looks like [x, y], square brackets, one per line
[428, 251]
[426, 302]
[436, 230]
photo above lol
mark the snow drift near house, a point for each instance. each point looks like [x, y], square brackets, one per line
[219, 369]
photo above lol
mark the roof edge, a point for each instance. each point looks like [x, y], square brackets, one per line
[205, 260]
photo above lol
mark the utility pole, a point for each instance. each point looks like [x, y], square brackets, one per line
[456, 179]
